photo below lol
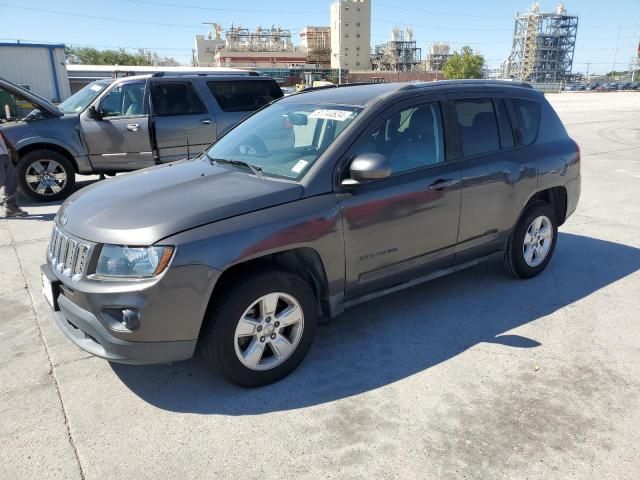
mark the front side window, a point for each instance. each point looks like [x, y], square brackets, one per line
[175, 98]
[124, 100]
[285, 139]
[478, 126]
[244, 96]
[411, 138]
[528, 113]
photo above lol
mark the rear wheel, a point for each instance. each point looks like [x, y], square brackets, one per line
[532, 242]
[261, 329]
[45, 175]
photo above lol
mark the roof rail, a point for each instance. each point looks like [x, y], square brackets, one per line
[248, 73]
[468, 81]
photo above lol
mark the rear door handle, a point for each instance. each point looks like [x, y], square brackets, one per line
[205, 121]
[133, 127]
[442, 183]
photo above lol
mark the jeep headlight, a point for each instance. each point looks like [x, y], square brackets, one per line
[123, 261]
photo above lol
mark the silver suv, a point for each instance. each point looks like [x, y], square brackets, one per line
[126, 124]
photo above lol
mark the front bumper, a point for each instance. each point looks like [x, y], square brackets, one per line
[164, 335]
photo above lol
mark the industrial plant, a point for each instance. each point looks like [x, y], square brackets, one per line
[400, 54]
[543, 46]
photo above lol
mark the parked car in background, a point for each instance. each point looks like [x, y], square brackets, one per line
[610, 87]
[369, 189]
[126, 124]
[634, 86]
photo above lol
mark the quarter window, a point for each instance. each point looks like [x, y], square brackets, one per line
[244, 96]
[175, 98]
[410, 138]
[478, 126]
[528, 113]
[506, 130]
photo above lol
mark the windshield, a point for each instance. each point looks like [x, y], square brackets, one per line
[82, 98]
[285, 139]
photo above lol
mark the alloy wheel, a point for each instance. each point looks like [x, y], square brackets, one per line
[537, 241]
[46, 177]
[269, 331]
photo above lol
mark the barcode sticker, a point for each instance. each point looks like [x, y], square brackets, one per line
[339, 115]
[298, 167]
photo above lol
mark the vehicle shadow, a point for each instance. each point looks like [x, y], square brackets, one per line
[394, 337]
[27, 202]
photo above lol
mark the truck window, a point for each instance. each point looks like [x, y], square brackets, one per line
[244, 96]
[175, 98]
[124, 100]
[478, 126]
[528, 113]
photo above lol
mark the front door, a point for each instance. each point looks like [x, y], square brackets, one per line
[182, 124]
[406, 224]
[120, 140]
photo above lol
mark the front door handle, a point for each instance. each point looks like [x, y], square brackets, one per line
[205, 121]
[442, 183]
[133, 127]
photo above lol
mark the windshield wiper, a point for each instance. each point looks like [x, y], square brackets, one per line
[255, 169]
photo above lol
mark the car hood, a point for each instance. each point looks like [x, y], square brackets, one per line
[40, 103]
[144, 207]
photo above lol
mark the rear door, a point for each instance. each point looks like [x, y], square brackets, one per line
[496, 174]
[182, 124]
[120, 140]
[238, 98]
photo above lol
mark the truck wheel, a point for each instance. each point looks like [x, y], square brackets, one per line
[260, 328]
[532, 242]
[45, 175]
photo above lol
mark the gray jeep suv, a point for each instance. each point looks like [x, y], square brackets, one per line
[126, 124]
[315, 203]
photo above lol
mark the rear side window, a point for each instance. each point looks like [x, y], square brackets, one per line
[478, 126]
[244, 96]
[506, 130]
[175, 98]
[528, 113]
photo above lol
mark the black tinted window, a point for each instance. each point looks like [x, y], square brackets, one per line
[175, 98]
[478, 126]
[506, 130]
[410, 138]
[528, 113]
[247, 96]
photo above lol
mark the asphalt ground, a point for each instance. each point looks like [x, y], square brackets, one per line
[475, 375]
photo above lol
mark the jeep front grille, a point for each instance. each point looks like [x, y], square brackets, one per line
[67, 255]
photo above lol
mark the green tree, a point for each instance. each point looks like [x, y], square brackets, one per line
[92, 56]
[465, 64]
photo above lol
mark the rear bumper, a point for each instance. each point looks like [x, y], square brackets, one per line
[573, 195]
[80, 316]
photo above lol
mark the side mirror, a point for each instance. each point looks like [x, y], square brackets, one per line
[367, 167]
[93, 113]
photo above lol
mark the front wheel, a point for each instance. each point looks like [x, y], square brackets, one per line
[261, 329]
[532, 242]
[45, 175]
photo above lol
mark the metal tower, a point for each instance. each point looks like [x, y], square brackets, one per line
[543, 45]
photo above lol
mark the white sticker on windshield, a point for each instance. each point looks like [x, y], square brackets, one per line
[339, 115]
[96, 88]
[298, 167]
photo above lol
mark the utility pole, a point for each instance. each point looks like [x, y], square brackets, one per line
[615, 55]
[587, 72]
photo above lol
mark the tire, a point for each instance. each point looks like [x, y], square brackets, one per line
[521, 261]
[46, 186]
[221, 346]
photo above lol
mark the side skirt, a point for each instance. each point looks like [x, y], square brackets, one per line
[338, 305]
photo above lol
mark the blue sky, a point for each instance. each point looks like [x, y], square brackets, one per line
[168, 26]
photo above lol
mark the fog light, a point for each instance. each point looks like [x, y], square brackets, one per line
[130, 319]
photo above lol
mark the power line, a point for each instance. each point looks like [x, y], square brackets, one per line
[219, 9]
[431, 12]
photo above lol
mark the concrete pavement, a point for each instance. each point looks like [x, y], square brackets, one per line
[475, 375]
